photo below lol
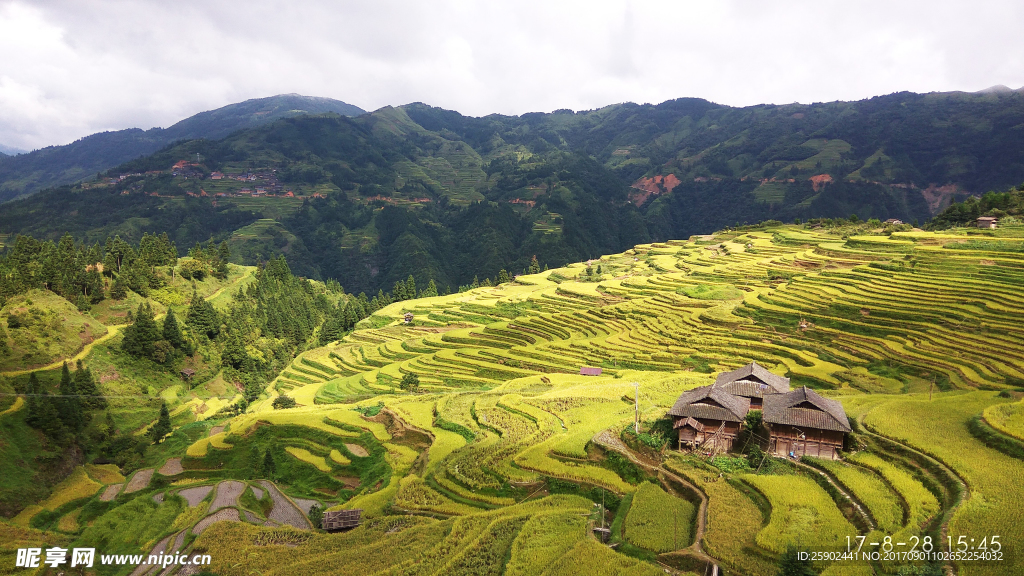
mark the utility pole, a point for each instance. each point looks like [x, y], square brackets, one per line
[930, 387]
[636, 408]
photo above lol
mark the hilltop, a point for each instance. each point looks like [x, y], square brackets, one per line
[56, 165]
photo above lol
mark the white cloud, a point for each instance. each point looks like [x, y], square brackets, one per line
[72, 68]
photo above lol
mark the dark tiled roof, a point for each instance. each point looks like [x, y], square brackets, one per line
[689, 422]
[749, 389]
[754, 372]
[712, 403]
[805, 408]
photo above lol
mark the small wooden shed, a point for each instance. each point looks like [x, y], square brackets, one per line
[342, 519]
[987, 222]
[187, 373]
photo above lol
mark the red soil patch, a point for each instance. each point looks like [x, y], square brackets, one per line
[819, 181]
[938, 197]
[646, 187]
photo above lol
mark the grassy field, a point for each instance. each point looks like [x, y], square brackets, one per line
[491, 466]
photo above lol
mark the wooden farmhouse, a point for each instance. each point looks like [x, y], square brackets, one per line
[988, 222]
[802, 423]
[708, 418]
[754, 382]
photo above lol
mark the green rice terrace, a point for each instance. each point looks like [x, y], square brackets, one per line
[472, 444]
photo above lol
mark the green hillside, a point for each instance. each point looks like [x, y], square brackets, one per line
[473, 445]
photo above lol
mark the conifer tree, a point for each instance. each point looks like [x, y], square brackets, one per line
[172, 332]
[430, 290]
[332, 328]
[269, 468]
[118, 291]
[201, 317]
[534, 265]
[504, 276]
[163, 425]
[33, 401]
[70, 406]
[85, 384]
[410, 287]
[398, 292]
[234, 353]
[140, 336]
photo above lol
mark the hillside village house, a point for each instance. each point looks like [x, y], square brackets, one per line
[987, 222]
[803, 423]
[709, 417]
[800, 422]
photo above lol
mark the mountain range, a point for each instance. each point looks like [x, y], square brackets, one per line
[419, 190]
[56, 165]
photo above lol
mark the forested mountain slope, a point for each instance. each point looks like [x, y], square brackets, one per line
[429, 192]
[56, 165]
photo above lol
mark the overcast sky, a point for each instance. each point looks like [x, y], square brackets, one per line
[69, 69]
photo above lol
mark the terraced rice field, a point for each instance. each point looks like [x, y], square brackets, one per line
[491, 466]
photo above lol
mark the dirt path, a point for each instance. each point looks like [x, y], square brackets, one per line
[284, 512]
[18, 403]
[111, 331]
[611, 442]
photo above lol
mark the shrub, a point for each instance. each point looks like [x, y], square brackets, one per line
[283, 401]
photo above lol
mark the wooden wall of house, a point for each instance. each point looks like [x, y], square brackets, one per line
[785, 440]
[688, 435]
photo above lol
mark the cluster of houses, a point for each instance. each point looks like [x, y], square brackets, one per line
[799, 421]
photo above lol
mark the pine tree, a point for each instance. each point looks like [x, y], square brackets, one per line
[410, 287]
[269, 468]
[140, 336]
[163, 425]
[431, 289]
[85, 384]
[223, 252]
[69, 405]
[201, 317]
[332, 328]
[172, 332]
[503, 276]
[118, 291]
[255, 461]
[398, 292]
[234, 353]
[534, 265]
[33, 400]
